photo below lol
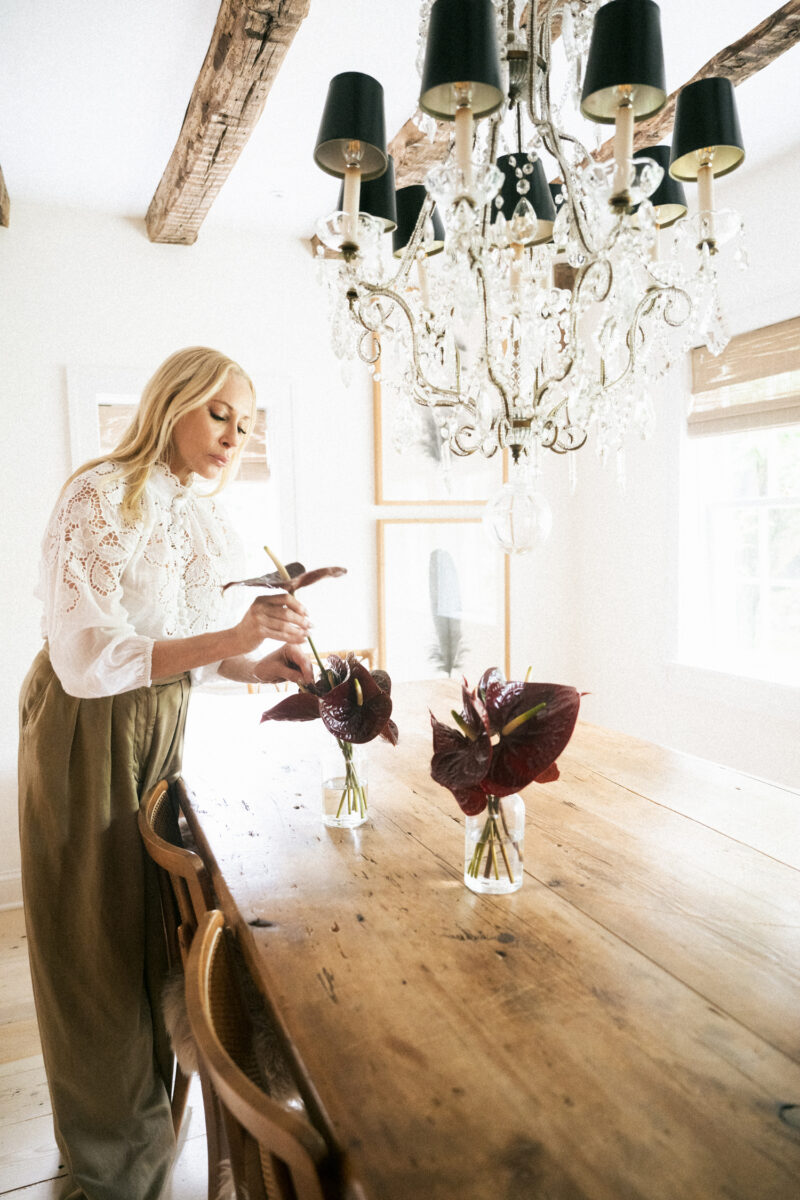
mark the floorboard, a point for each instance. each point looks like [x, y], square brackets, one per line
[29, 1160]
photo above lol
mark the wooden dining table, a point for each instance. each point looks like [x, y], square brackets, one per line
[626, 1025]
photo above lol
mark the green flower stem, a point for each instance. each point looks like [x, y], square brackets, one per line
[485, 852]
[354, 793]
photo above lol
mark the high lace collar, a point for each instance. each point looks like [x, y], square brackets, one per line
[167, 484]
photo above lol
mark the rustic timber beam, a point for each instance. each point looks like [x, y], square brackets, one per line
[248, 45]
[5, 203]
[414, 154]
[762, 45]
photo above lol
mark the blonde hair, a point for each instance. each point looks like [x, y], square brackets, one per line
[185, 381]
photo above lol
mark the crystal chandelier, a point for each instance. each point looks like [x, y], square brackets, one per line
[524, 314]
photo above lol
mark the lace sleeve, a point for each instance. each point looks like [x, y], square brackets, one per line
[94, 648]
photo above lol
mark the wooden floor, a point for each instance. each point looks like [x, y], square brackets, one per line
[30, 1168]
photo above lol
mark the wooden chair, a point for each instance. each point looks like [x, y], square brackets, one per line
[364, 656]
[186, 894]
[276, 1154]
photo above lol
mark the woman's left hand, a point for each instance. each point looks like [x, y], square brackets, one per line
[290, 664]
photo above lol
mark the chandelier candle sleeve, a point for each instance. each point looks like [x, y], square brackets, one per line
[623, 147]
[377, 198]
[422, 276]
[463, 120]
[352, 190]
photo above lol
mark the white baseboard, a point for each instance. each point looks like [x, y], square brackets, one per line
[10, 890]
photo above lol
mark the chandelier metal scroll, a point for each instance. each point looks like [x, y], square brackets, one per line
[554, 309]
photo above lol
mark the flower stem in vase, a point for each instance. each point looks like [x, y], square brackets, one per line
[354, 793]
[493, 856]
[344, 784]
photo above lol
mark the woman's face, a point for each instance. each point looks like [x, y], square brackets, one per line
[204, 440]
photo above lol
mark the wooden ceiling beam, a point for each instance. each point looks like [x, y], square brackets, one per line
[5, 203]
[247, 48]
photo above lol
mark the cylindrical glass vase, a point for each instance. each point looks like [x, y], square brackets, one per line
[493, 846]
[344, 783]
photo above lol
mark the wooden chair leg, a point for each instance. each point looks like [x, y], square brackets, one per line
[180, 1092]
[216, 1141]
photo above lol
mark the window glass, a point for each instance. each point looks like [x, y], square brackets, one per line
[740, 575]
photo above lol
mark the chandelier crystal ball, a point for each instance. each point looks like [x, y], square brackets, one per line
[532, 291]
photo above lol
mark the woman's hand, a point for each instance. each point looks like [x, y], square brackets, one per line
[278, 616]
[288, 665]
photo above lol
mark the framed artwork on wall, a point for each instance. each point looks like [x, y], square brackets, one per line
[443, 598]
[408, 459]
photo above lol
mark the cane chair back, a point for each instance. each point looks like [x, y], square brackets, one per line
[367, 657]
[276, 1154]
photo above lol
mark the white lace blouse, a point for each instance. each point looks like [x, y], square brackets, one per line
[110, 589]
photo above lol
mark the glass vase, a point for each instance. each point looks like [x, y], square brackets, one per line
[344, 784]
[493, 846]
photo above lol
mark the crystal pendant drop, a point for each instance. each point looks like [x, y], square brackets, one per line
[517, 518]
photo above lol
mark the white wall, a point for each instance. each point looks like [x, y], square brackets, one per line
[607, 621]
[597, 607]
[87, 289]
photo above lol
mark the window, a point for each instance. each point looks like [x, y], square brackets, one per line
[740, 585]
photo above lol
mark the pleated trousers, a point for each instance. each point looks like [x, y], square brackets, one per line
[93, 920]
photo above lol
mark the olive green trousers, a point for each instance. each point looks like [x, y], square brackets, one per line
[93, 917]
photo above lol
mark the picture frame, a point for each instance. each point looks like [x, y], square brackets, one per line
[443, 599]
[102, 403]
[416, 475]
[260, 500]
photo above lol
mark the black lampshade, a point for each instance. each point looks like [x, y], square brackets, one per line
[625, 51]
[353, 112]
[538, 194]
[669, 198]
[705, 117]
[377, 198]
[409, 202]
[461, 48]
[557, 192]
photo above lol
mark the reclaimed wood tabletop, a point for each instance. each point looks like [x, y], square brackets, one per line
[627, 1025]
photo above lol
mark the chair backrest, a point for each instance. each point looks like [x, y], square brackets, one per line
[276, 1154]
[190, 885]
[363, 656]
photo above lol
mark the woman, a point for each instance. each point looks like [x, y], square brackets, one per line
[133, 565]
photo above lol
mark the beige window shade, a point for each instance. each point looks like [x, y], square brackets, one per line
[753, 384]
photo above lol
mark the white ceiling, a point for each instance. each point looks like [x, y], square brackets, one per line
[93, 95]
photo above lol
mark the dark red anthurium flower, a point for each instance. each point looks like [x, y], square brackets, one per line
[509, 735]
[299, 577]
[354, 703]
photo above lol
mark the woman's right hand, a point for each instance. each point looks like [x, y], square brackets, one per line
[278, 616]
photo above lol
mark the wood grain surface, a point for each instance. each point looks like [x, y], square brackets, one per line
[248, 46]
[625, 1026]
